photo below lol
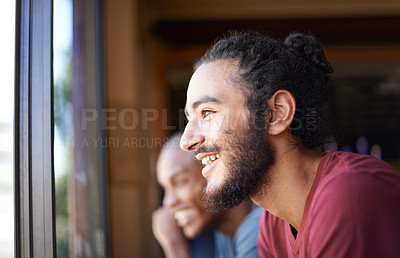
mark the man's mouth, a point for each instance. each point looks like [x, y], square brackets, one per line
[183, 217]
[208, 159]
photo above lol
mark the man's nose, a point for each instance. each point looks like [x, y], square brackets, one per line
[170, 198]
[191, 138]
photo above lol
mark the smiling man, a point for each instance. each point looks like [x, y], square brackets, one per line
[183, 215]
[257, 112]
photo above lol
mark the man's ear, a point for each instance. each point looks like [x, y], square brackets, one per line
[282, 107]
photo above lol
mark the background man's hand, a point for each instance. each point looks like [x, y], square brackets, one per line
[169, 235]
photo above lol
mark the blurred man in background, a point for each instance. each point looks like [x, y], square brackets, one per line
[183, 216]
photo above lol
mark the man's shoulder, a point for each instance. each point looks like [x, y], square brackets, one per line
[254, 215]
[339, 164]
[244, 242]
[356, 201]
[203, 245]
[352, 179]
[250, 224]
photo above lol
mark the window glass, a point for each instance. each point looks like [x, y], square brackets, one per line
[7, 47]
[63, 130]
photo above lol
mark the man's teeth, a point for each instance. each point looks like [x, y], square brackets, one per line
[207, 160]
[184, 216]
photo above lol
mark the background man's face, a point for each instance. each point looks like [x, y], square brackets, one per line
[179, 174]
[235, 156]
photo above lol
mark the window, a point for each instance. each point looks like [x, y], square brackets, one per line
[80, 186]
[38, 184]
[7, 30]
[63, 124]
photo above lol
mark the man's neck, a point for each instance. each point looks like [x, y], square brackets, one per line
[231, 220]
[291, 178]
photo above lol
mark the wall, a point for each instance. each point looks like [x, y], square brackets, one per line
[133, 190]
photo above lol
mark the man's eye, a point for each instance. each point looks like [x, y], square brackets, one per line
[181, 181]
[205, 113]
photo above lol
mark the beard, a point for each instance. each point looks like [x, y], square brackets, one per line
[249, 158]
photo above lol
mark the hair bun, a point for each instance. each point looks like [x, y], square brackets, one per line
[310, 49]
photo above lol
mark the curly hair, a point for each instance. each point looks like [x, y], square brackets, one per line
[265, 65]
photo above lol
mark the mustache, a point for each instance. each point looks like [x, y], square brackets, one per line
[205, 149]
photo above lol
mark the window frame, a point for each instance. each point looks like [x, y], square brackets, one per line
[34, 182]
[34, 130]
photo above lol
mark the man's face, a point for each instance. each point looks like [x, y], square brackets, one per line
[236, 155]
[179, 174]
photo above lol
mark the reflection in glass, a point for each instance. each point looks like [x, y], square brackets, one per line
[80, 193]
[63, 131]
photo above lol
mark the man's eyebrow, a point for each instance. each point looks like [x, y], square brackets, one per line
[205, 99]
[202, 100]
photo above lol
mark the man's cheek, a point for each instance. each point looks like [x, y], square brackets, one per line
[232, 122]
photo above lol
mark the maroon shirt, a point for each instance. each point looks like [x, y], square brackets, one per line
[352, 210]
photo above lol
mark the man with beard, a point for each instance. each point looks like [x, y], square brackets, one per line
[183, 215]
[259, 107]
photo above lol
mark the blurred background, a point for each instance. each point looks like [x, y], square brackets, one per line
[121, 69]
